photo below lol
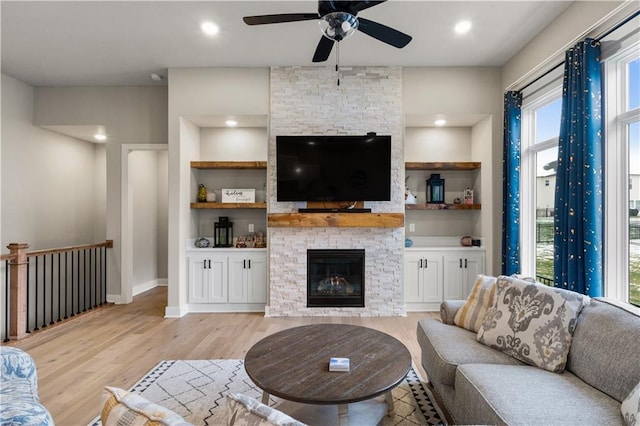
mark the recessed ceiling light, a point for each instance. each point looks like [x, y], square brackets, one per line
[463, 27]
[231, 123]
[209, 28]
[100, 137]
[156, 77]
[440, 122]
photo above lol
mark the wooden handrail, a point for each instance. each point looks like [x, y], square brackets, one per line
[16, 319]
[107, 244]
[8, 256]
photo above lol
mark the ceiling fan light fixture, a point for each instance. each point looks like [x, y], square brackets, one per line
[338, 25]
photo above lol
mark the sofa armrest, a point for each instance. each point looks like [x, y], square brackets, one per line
[448, 310]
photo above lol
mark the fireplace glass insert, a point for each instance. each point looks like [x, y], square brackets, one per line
[335, 278]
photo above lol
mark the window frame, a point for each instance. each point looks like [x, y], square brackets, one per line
[617, 119]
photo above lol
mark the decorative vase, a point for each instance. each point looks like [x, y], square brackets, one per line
[408, 242]
[202, 243]
[202, 194]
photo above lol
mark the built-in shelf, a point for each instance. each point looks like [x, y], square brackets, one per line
[430, 206]
[245, 165]
[228, 205]
[342, 220]
[458, 165]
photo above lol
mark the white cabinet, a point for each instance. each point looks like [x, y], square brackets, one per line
[207, 278]
[423, 280]
[461, 269]
[233, 280]
[248, 278]
[436, 273]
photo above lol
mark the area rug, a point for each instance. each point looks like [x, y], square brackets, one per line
[196, 390]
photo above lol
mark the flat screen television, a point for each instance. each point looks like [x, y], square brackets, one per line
[333, 168]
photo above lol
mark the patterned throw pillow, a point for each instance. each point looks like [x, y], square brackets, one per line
[532, 322]
[246, 411]
[471, 314]
[123, 408]
[631, 407]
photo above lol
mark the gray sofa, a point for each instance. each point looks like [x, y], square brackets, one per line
[480, 385]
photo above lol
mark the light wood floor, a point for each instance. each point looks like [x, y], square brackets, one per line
[117, 345]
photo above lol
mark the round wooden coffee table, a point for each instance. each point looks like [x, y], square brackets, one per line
[293, 364]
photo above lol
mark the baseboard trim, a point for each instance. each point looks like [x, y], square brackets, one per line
[141, 288]
[175, 311]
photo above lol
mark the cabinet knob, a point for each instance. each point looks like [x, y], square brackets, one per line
[460, 263]
[420, 263]
[426, 264]
[244, 264]
[465, 263]
[249, 263]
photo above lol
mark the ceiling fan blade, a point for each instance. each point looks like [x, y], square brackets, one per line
[323, 50]
[358, 6]
[279, 18]
[383, 33]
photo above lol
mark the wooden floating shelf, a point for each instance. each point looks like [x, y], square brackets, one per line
[341, 220]
[459, 165]
[429, 206]
[229, 165]
[228, 205]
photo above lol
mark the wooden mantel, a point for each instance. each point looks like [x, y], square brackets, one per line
[341, 220]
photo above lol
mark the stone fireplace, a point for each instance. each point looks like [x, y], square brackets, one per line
[335, 278]
[307, 101]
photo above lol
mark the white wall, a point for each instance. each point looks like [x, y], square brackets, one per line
[198, 92]
[467, 91]
[53, 184]
[547, 48]
[146, 169]
[130, 115]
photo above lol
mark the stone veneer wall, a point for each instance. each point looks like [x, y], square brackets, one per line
[307, 101]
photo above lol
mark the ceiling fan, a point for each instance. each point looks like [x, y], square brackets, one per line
[338, 21]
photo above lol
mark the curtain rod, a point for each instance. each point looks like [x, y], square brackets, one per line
[606, 33]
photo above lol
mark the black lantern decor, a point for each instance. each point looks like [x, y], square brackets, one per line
[223, 232]
[435, 189]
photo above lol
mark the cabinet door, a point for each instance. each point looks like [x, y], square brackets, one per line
[238, 265]
[453, 277]
[198, 278]
[412, 277]
[474, 266]
[218, 279]
[432, 279]
[257, 278]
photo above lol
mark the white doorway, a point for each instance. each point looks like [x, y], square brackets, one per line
[144, 209]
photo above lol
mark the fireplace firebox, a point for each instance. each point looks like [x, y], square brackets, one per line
[335, 278]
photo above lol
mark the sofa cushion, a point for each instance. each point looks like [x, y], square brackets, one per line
[631, 407]
[471, 314]
[526, 395]
[445, 347]
[243, 410]
[605, 347]
[531, 322]
[123, 408]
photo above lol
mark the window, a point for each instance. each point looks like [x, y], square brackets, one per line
[622, 154]
[541, 128]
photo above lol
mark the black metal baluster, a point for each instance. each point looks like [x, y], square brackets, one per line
[73, 292]
[95, 278]
[6, 301]
[51, 311]
[84, 279]
[44, 291]
[35, 307]
[59, 289]
[90, 280]
[66, 285]
[104, 274]
[28, 292]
